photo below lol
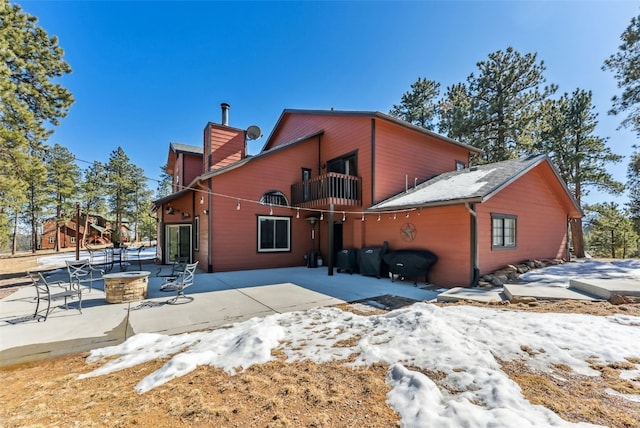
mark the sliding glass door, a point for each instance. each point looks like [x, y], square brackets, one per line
[178, 242]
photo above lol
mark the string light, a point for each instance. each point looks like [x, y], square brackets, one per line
[238, 203]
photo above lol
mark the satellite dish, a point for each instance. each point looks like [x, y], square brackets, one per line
[253, 132]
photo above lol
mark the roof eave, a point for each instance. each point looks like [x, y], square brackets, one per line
[430, 204]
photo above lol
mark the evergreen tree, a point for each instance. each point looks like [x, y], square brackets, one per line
[633, 184]
[142, 202]
[62, 177]
[38, 198]
[505, 95]
[418, 106]
[126, 182]
[93, 193]
[31, 97]
[165, 184]
[455, 111]
[15, 200]
[567, 127]
[625, 65]
[610, 231]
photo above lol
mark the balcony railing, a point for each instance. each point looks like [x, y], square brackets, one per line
[338, 189]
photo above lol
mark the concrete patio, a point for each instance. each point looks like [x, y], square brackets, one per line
[220, 299]
[227, 297]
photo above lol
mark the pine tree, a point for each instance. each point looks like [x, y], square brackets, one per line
[62, 177]
[610, 231]
[31, 97]
[633, 185]
[38, 198]
[567, 127]
[92, 191]
[455, 112]
[505, 95]
[124, 179]
[625, 65]
[165, 183]
[418, 106]
[31, 101]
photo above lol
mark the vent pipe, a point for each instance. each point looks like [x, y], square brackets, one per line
[225, 113]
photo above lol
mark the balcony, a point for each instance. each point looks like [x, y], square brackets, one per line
[331, 188]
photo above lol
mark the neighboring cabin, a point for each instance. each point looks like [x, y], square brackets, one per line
[99, 232]
[363, 178]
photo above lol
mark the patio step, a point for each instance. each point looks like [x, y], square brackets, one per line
[540, 292]
[604, 288]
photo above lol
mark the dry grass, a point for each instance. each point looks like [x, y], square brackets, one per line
[280, 394]
[579, 398]
[275, 394]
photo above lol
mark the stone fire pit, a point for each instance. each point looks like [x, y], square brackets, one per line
[126, 286]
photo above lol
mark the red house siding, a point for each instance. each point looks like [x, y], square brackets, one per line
[443, 230]
[402, 155]
[389, 156]
[234, 232]
[190, 168]
[541, 221]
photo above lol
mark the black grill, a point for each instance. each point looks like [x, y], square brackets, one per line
[410, 263]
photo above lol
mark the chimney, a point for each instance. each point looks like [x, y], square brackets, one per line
[225, 114]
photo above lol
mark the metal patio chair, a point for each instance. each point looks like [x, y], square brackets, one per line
[45, 295]
[176, 267]
[183, 280]
[82, 272]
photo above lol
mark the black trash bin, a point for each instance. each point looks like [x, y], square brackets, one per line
[312, 259]
[346, 260]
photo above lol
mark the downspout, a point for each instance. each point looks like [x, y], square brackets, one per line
[567, 250]
[373, 161]
[209, 227]
[473, 238]
[319, 174]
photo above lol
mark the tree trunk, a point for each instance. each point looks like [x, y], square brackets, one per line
[613, 245]
[578, 238]
[14, 244]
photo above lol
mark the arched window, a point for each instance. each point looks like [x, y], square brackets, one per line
[274, 197]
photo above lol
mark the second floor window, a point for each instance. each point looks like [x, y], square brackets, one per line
[345, 165]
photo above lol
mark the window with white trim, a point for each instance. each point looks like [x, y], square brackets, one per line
[72, 239]
[503, 231]
[274, 234]
[52, 240]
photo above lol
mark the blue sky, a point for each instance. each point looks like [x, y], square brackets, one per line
[147, 73]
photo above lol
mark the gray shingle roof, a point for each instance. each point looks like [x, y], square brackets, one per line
[186, 148]
[469, 185]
